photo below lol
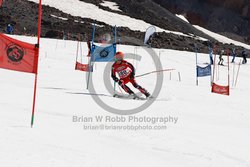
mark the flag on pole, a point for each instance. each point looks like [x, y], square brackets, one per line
[223, 90]
[149, 33]
[83, 67]
[204, 71]
[103, 54]
[38, 44]
[17, 55]
[200, 70]
[21, 56]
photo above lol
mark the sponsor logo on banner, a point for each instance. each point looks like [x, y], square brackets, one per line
[224, 90]
[203, 71]
[104, 53]
[18, 55]
[15, 53]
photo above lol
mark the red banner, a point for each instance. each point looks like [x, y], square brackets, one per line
[1, 2]
[83, 67]
[17, 55]
[224, 90]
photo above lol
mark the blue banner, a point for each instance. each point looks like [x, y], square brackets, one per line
[103, 54]
[204, 71]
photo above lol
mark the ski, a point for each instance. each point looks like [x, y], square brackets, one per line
[132, 97]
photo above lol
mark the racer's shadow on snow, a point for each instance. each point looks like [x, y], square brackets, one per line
[89, 94]
[53, 88]
[76, 93]
[96, 94]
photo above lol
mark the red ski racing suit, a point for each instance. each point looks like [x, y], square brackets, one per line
[126, 73]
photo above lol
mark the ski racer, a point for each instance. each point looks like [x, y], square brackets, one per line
[126, 73]
[221, 60]
[244, 55]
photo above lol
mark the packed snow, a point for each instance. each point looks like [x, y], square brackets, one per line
[182, 18]
[61, 18]
[222, 38]
[203, 129]
[111, 5]
[211, 130]
[88, 10]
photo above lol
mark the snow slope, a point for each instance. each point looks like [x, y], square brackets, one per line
[222, 38]
[111, 5]
[88, 10]
[216, 36]
[212, 130]
[182, 18]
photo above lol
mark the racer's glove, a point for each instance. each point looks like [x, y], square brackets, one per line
[120, 82]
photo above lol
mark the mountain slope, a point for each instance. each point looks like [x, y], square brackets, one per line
[204, 135]
[229, 17]
[73, 19]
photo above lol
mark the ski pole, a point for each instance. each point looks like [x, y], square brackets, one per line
[114, 87]
[153, 72]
